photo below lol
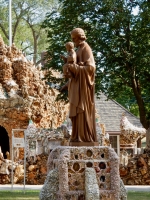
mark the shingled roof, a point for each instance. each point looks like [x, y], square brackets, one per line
[111, 113]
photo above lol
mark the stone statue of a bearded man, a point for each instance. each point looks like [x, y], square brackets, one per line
[81, 92]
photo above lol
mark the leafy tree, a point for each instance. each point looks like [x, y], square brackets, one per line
[27, 16]
[120, 41]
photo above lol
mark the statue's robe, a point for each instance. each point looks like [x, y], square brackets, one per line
[81, 96]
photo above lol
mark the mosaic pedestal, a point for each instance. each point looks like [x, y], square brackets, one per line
[90, 173]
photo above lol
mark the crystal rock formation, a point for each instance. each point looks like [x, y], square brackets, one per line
[24, 95]
[123, 192]
[50, 187]
[74, 180]
[137, 171]
[91, 184]
[130, 133]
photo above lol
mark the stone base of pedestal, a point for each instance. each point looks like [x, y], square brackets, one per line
[89, 172]
[83, 144]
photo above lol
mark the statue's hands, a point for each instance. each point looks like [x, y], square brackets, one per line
[70, 66]
[64, 58]
[81, 63]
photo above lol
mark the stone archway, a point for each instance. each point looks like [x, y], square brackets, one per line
[4, 141]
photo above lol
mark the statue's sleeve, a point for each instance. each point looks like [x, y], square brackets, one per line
[85, 56]
[74, 68]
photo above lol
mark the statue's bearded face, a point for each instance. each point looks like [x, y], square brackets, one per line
[76, 40]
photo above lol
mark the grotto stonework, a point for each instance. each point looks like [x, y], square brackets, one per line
[24, 95]
[130, 135]
[39, 142]
[137, 170]
[78, 169]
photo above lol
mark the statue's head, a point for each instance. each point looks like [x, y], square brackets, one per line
[69, 45]
[78, 36]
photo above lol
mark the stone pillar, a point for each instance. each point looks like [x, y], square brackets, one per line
[63, 172]
[91, 185]
[115, 180]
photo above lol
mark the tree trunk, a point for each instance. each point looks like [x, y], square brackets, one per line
[35, 38]
[35, 48]
[140, 102]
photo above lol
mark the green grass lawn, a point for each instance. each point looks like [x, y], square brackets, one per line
[138, 195]
[19, 195]
[34, 195]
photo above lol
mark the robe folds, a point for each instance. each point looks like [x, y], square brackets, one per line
[81, 96]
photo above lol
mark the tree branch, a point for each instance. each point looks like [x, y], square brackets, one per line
[3, 29]
[26, 48]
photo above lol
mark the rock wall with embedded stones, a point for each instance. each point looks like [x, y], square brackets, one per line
[137, 171]
[69, 165]
[39, 142]
[36, 170]
[130, 133]
[24, 95]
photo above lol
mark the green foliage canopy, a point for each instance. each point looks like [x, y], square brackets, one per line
[27, 16]
[120, 41]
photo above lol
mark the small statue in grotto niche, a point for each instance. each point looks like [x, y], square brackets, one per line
[81, 91]
[8, 155]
